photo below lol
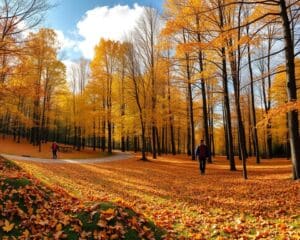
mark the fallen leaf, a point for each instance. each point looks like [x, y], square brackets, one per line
[8, 226]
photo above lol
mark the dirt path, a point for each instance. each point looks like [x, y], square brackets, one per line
[116, 157]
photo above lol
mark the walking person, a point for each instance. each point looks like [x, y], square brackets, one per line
[54, 148]
[202, 153]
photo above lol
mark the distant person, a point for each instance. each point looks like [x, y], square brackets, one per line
[54, 148]
[202, 153]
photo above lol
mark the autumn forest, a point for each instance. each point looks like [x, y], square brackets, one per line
[223, 71]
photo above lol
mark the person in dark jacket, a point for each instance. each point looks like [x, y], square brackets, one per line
[202, 153]
[54, 149]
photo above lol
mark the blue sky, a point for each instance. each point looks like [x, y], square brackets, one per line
[81, 23]
[68, 12]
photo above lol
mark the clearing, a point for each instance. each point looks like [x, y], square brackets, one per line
[171, 192]
[8, 146]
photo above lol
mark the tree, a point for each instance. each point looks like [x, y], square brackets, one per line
[36, 79]
[138, 90]
[19, 16]
[146, 36]
[42, 56]
[227, 114]
[252, 101]
[293, 122]
[104, 66]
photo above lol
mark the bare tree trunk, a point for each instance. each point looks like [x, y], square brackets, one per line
[250, 132]
[190, 106]
[252, 106]
[135, 77]
[226, 99]
[122, 106]
[234, 64]
[241, 130]
[109, 111]
[163, 141]
[203, 92]
[293, 124]
[171, 117]
[268, 105]
[158, 142]
[109, 137]
[178, 140]
[94, 134]
[228, 114]
[211, 128]
[79, 139]
[225, 132]
[103, 137]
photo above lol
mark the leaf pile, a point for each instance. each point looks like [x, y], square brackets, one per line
[171, 192]
[30, 210]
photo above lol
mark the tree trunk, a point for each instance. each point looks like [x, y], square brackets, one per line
[293, 124]
[226, 99]
[79, 139]
[171, 117]
[143, 141]
[158, 142]
[103, 137]
[122, 106]
[178, 140]
[94, 134]
[250, 132]
[225, 131]
[109, 136]
[227, 113]
[203, 92]
[163, 141]
[191, 138]
[268, 105]
[241, 130]
[252, 106]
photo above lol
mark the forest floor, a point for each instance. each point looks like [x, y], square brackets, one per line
[171, 192]
[9, 146]
[30, 209]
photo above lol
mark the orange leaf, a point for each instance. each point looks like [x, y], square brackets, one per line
[8, 226]
[114, 236]
[102, 223]
[134, 221]
[109, 211]
[26, 233]
[58, 227]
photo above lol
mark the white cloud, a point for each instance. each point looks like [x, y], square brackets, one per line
[109, 23]
[101, 22]
[65, 42]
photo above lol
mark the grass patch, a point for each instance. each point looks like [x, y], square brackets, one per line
[106, 205]
[131, 235]
[158, 232]
[130, 212]
[16, 183]
[89, 223]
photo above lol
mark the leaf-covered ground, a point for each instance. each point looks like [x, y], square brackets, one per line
[171, 192]
[30, 210]
[8, 146]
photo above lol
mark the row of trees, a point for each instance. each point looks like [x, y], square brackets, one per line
[231, 37]
[30, 72]
[222, 71]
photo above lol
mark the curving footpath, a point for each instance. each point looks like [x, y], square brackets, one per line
[116, 157]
